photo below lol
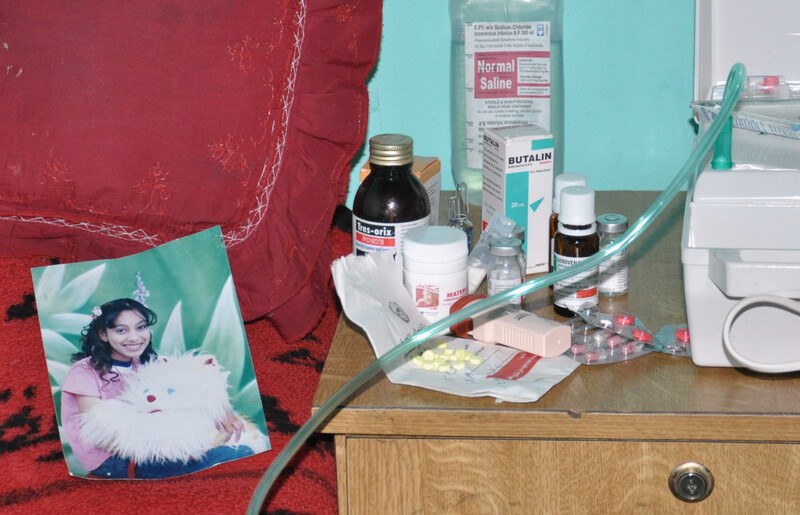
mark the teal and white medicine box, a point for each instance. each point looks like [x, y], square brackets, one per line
[518, 182]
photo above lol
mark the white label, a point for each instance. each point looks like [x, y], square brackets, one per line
[434, 300]
[753, 122]
[507, 67]
[383, 237]
[499, 285]
[614, 274]
[577, 290]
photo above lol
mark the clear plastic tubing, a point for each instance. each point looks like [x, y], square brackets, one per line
[733, 89]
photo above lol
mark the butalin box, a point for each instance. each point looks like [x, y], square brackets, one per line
[518, 182]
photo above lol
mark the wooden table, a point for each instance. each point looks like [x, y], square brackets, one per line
[604, 439]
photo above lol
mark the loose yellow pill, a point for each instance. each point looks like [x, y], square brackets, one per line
[475, 360]
[441, 345]
[428, 354]
[459, 364]
[428, 365]
[444, 368]
[416, 360]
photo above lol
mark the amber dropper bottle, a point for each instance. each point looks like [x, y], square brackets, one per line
[562, 181]
[575, 240]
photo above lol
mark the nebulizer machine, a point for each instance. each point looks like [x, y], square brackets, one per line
[734, 86]
[740, 245]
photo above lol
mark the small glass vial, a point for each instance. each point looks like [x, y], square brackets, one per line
[519, 233]
[614, 271]
[505, 271]
[576, 239]
[435, 268]
[391, 200]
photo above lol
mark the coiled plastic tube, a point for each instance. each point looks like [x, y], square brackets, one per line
[733, 89]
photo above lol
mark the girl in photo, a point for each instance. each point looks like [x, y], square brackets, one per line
[113, 345]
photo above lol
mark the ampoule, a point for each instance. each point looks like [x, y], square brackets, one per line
[458, 214]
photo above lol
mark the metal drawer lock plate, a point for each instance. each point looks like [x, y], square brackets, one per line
[691, 482]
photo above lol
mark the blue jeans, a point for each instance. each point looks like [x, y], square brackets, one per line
[117, 468]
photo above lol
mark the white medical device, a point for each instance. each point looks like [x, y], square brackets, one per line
[740, 246]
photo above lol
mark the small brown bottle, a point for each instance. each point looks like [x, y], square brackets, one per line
[391, 200]
[562, 181]
[575, 240]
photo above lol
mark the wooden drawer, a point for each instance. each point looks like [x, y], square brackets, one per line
[464, 476]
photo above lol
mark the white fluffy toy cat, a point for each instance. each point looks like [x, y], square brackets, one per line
[168, 412]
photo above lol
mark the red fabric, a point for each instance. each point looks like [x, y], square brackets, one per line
[127, 124]
[35, 477]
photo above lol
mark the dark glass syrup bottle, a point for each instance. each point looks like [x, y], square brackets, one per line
[391, 200]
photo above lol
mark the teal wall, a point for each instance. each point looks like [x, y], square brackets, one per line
[629, 75]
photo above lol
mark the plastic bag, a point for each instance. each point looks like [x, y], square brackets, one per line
[376, 300]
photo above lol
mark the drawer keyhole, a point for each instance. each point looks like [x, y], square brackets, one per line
[691, 482]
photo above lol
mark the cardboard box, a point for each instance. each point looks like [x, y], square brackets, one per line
[518, 182]
[428, 171]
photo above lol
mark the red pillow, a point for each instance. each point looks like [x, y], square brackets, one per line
[124, 125]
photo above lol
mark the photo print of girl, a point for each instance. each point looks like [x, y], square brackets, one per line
[148, 361]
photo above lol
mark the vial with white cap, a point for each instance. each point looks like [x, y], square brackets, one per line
[575, 240]
[435, 268]
[562, 181]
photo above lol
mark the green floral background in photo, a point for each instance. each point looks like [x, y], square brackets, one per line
[186, 282]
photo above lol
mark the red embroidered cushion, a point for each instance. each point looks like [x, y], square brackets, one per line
[124, 125]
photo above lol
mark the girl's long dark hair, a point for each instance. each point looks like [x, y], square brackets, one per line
[99, 351]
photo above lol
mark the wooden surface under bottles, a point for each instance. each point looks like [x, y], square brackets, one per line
[605, 438]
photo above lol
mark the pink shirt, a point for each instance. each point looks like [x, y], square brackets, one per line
[82, 379]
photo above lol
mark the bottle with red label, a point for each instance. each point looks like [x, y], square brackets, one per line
[575, 240]
[391, 200]
[506, 69]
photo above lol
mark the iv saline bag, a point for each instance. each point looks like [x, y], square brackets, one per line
[506, 69]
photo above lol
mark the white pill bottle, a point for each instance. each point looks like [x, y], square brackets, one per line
[435, 268]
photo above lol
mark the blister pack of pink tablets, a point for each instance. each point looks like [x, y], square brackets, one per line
[599, 338]
[673, 339]
[593, 345]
